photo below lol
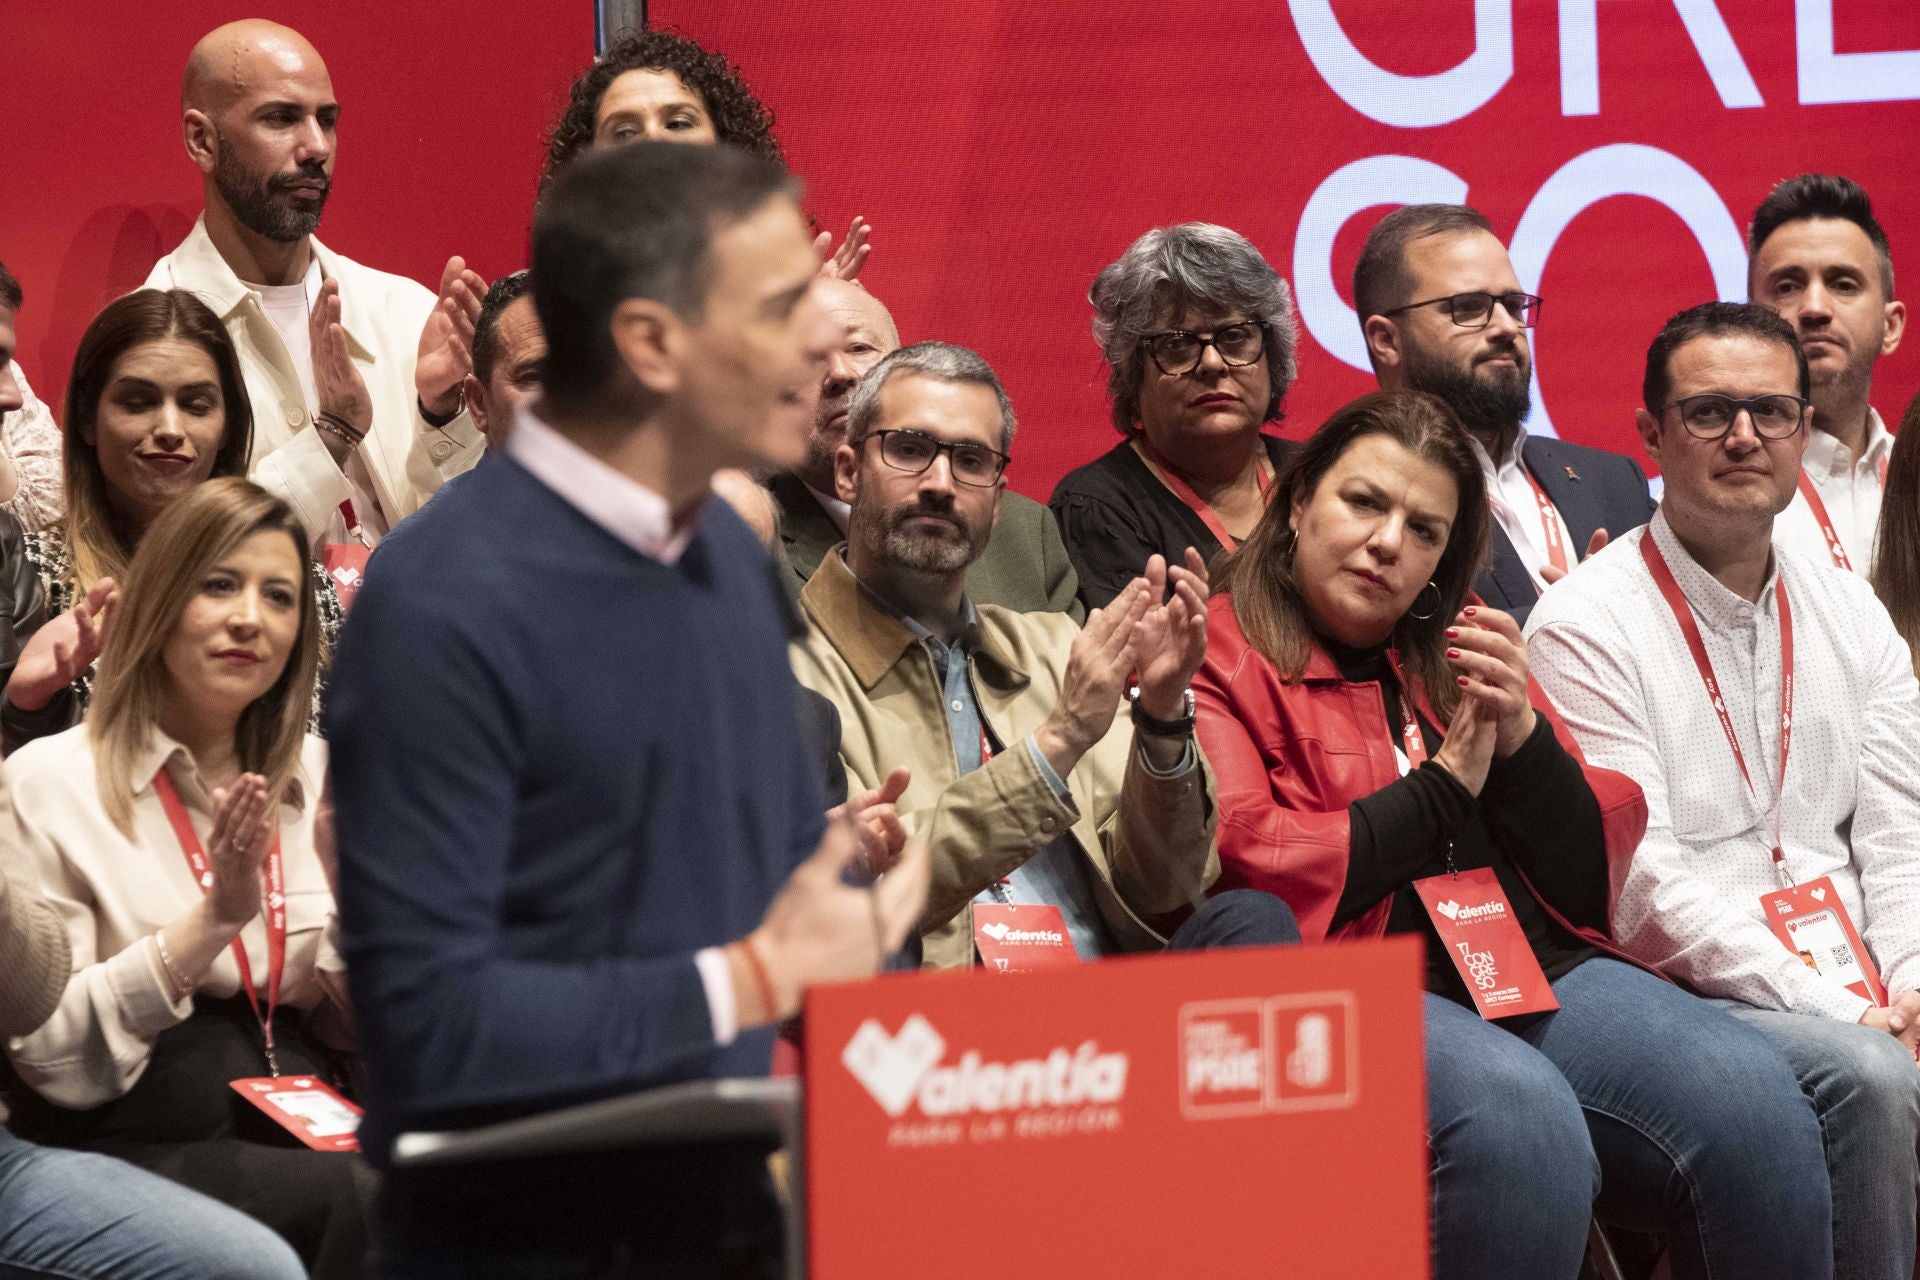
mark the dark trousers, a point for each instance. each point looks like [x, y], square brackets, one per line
[1237, 918]
[183, 1122]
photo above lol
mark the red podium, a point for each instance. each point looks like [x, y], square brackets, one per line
[1254, 1112]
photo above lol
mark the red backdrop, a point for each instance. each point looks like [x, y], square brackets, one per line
[442, 112]
[1007, 150]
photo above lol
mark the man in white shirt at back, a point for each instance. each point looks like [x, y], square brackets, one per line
[1820, 259]
[258, 115]
[1795, 658]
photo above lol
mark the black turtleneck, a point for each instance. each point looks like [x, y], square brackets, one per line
[1535, 815]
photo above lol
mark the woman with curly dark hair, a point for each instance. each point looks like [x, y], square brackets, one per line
[655, 86]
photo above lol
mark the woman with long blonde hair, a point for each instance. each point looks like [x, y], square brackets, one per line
[176, 832]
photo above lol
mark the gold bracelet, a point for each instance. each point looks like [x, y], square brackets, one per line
[181, 988]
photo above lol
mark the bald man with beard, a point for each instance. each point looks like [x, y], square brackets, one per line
[1025, 565]
[355, 375]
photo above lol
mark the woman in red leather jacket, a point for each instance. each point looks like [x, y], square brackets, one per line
[1371, 726]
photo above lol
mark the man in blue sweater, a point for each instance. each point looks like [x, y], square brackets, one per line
[580, 845]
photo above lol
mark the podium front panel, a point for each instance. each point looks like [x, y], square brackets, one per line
[1249, 1112]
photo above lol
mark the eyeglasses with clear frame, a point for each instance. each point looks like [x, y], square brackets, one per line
[1475, 310]
[1178, 351]
[914, 451]
[1709, 416]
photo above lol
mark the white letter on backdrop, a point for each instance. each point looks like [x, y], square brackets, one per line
[1346, 191]
[1409, 102]
[1624, 169]
[1580, 56]
[1889, 75]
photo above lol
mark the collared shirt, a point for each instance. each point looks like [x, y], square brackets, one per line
[1606, 648]
[621, 505]
[116, 892]
[839, 512]
[383, 316]
[1056, 875]
[641, 519]
[1516, 508]
[1849, 488]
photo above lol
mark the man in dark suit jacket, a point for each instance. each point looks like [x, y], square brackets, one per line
[1444, 313]
[1025, 565]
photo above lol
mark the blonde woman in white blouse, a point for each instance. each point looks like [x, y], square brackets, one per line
[201, 701]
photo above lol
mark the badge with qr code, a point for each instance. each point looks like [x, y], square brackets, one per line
[1814, 924]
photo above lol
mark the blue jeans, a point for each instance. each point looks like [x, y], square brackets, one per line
[73, 1215]
[1865, 1090]
[1635, 1102]
[1237, 918]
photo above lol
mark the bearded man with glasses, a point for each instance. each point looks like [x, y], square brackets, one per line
[1444, 313]
[1060, 829]
[1766, 705]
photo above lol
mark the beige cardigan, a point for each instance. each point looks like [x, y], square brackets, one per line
[113, 894]
[34, 960]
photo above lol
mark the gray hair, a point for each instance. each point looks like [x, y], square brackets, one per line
[1195, 266]
[942, 360]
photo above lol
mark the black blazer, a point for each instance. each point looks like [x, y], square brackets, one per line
[1592, 489]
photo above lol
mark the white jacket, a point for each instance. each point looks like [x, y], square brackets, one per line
[383, 316]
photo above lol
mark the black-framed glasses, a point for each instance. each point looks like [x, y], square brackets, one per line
[1475, 310]
[1709, 416]
[914, 451]
[1178, 351]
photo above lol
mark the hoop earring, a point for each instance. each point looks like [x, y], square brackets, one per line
[1422, 617]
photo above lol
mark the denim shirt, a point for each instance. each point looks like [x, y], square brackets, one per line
[1056, 874]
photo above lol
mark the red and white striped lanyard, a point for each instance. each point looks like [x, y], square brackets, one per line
[1683, 615]
[1164, 472]
[276, 912]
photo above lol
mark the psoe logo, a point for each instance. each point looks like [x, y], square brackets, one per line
[905, 1069]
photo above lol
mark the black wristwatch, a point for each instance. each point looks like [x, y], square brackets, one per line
[1181, 728]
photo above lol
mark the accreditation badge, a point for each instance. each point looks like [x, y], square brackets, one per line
[1022, 937]
[306, 1107]
[1484, 940]
[1813, 923]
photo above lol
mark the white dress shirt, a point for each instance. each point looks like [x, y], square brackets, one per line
[837, 511]
[1608, 651]
[1849, 487]
[115, 893]
[641, 519]
[383, 315]
[1517, 510]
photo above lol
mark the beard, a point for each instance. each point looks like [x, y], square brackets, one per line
[265, 206]
[1492, 405]
[883, 534]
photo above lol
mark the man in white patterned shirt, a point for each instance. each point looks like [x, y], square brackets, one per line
[1668, 656]
[1821, 260]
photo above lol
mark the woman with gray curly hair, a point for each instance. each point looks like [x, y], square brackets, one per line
[1199, 336]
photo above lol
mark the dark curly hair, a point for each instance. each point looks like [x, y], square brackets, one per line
[738, 116]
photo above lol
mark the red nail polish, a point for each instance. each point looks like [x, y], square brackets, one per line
[1469, 611]
[1461, 681]
[1453, 653]
[1453, 633]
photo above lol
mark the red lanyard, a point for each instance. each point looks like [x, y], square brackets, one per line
[1819, 509]
[354, 531]
[1550, 520]
[1167, 476]
[1411, 741]
[276, 910]
[1683, 614]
